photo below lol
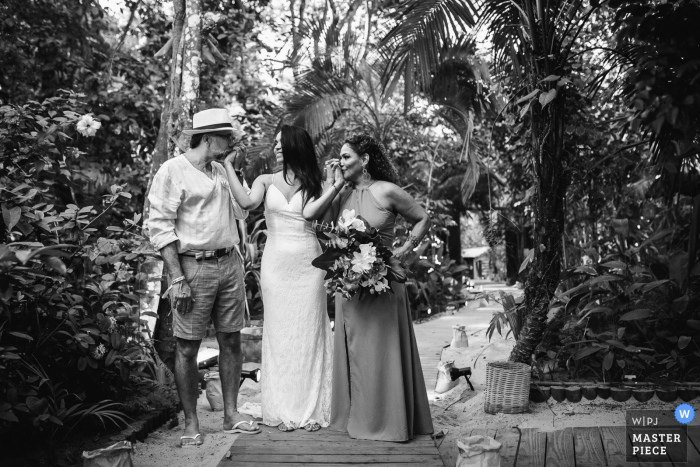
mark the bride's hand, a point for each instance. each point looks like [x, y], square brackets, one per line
[339, 175]
[330, 177]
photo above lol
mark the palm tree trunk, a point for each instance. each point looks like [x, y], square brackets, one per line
[548, 207]
[160, 154]
[176, 116]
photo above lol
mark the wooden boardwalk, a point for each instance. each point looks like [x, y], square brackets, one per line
[571, 447]
[575, 447]
[273, 448]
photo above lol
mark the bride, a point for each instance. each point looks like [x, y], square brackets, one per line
[297, 340]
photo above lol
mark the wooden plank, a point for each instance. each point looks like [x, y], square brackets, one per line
[292, 447]
[588, 447]
[320, 436]
[322, 433]
[509, 439]
[228, 463]
[254, 459]
[693, 446]
[560, 448]
[613, 439]
[694, 436]
[531, 452]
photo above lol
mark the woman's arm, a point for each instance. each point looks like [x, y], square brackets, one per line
[245, 200]
[318, 208]
[403, 204]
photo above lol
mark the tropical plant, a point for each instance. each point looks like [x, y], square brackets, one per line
[69, 281]
[535, 50]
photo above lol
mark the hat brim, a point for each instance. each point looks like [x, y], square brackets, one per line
[236, 133]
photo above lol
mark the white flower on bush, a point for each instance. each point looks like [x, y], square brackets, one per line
[99, 352]
[88, 126]
[349, 219]
[364, 259]
[113, 324]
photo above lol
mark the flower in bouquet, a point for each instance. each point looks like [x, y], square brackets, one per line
[355, 260]
[365, 258]
[350, 220]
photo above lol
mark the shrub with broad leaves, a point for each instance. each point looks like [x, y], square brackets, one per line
[70, 329]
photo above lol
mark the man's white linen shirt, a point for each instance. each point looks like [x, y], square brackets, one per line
[188, 207]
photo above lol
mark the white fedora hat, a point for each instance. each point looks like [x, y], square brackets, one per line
[213, 121]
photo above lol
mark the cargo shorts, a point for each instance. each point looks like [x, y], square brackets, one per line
[218, 289]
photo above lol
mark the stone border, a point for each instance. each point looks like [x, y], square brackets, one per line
[619, 393]
[138, 430]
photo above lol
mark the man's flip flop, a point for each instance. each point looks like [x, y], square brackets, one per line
[235, 430]
[195, 441]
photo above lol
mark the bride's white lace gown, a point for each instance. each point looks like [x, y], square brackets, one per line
[297, 344]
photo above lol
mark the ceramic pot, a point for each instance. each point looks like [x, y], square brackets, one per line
[620, 394]
[539, 394]
[643, 395]
[590, 392]
[558, 393]
[574, 393]
[603, 391]
[687, 394]
[667, 395]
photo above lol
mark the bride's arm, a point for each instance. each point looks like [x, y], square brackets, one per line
[246, 200]
[318, 208]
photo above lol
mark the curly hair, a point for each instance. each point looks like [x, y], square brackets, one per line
[379, 166]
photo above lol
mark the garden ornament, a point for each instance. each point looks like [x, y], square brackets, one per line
[459, 337]
[444, 381]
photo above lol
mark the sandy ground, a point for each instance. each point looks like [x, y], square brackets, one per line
[161, 448]
[455, 412]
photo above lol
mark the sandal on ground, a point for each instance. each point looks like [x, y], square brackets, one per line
[312, 426]
[284, 427]
[191, 441]
[255, 429]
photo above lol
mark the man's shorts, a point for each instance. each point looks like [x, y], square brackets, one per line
[219, 294]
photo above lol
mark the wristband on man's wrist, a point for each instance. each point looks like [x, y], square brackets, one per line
[178, 279]
[414, 241]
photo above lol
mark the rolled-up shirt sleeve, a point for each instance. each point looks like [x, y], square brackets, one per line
[164, 198]
[238, 211]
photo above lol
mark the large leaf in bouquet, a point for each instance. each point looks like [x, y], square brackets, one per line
[327, 259]
[396, 271]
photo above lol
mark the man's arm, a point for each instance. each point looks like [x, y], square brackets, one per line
[180, 293]
[165, 199]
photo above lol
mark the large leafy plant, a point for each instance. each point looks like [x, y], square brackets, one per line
[69, 283]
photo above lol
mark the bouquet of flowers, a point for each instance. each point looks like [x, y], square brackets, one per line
[355, 260]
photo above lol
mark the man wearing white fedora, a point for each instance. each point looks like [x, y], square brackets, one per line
[193, 224]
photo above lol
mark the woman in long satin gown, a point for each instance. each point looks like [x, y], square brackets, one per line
[379, 391]
[297, 336]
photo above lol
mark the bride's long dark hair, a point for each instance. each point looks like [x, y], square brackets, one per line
[299, 155]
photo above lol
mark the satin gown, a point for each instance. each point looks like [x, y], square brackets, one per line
[297, 336]
[378, 387]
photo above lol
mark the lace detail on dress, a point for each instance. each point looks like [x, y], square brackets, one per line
[297, 339]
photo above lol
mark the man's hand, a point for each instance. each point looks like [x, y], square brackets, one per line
[181, 297]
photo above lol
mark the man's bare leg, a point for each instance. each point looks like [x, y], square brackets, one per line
[187, 380]
[230, 365]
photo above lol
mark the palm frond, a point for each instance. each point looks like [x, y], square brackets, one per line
[414, 44]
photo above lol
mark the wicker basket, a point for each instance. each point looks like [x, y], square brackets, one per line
[507, 388]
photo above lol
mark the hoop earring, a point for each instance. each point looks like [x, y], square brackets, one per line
[365, 175]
